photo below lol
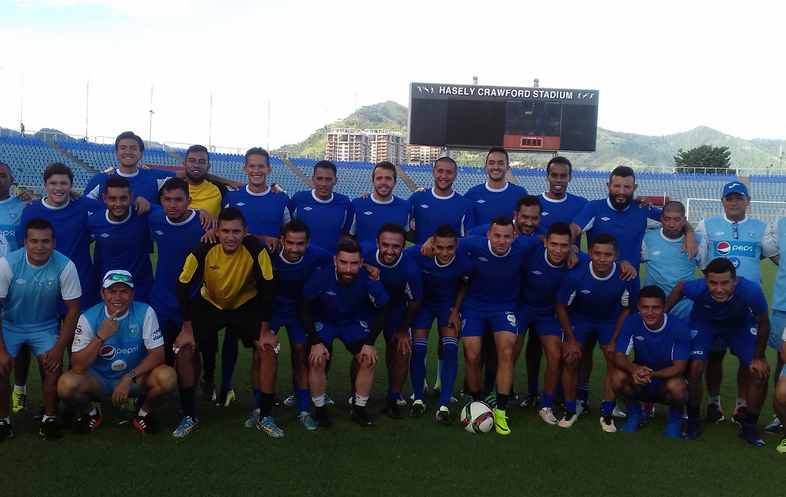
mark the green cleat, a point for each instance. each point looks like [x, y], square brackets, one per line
[418, 409]
[444, 417]
[19, 401]
[782, 446]
[501, 422]
[226, 398]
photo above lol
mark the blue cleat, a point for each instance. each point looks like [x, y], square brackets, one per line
[633, 422]
[750, 434]
[692, 429]
[673, 428]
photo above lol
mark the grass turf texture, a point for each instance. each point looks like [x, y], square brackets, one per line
[413, 456]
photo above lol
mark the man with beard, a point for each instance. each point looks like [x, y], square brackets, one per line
[496, 197]
[621, 217]
[369, 214]
[334, 305]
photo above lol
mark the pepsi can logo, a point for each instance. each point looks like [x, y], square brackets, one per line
[108, 352]
[723, 248]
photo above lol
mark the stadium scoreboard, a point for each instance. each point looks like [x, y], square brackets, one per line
[478, 116]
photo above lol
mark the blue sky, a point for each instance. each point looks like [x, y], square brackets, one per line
[661, 67]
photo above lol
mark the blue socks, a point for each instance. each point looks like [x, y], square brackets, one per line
[393, 395]
[257, 396]
[533, 387]
[547, 400]
[228, 361]
[449, 369]
[582, 392]
[570, 405]
[417, 366]
[302, 399]
[608, 407]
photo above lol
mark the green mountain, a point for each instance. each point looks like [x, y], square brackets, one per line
[613, 147]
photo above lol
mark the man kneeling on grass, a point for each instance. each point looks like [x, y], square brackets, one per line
[661, 344]
[118, 352]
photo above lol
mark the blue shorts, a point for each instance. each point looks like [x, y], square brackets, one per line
[473, 322]
[777, 325]
[347, 333]
[651, 391]
[604, 331]
[38, 341]
[108, 384]
[295, 331]
[428, 312]
[740, 340]
[541, 323]
[394, 321]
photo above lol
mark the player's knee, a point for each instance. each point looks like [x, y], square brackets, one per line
[780, 392]
[619, 379]
[165, 378]
[677, 388]
[696, 369]
[68, 385]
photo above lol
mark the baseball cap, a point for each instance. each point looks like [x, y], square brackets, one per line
[735, 187]
[117, 276]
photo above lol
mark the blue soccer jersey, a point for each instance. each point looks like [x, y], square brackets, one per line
[72, 237]
[326, 219]
[369, 215]
[667, 264]
[30, 293]
[779, 291]
[137, 332]
[124, 245]
[342, 305]
[744, 243]
[145, 183]
[403, 281]
[627, 226]
[747, 301]
[440, 282]
[291, 276]
[488, 203]
[563, 210]
[494, 284]
[175, 241]
[541, 280]
[10, 217]
[595, 299]
[265, 212]
[430, 211]
[655, 349]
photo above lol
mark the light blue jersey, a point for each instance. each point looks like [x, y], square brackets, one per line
[10, 217]
[779, 291]
[667, 265]
[744, 243]
[31, 293]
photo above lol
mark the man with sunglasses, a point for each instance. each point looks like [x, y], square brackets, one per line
[744, 241]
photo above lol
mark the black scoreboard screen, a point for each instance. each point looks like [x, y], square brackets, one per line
[476, 116]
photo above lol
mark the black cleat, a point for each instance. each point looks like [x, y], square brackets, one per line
[147, 424]
[321, 417]
[87, 423]
[444, 418]
[392, 410]
[50, 430]
[532, 399]
[360, 416]
[6, 432]
[418, 409]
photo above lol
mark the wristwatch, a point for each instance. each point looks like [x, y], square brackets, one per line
[132, 375]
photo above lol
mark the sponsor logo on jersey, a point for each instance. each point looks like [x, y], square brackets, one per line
[720, 233]
[109, 352]
[331, 293]
[735, 262]
[214, 268]
[585, 292]
[307, 208]
[159, 232]
[119, 365]
[481, 201]
[605, 219]
[20, 281]
[696, 352]
[77, 341]
[367, 213]
[640, 338]
[425, 206]
[536, 272]
[240, 204]
[747, 249]
[544, 213]
[156, 335]
[723, 248]
[104, 235]
[483, 259]
[657, 252]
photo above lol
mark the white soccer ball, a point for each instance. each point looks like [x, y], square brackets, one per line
[477, 417]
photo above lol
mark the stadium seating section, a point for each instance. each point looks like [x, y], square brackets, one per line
[28, 156]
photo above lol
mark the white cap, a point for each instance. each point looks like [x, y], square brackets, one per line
[117, 276]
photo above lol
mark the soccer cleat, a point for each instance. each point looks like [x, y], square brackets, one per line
[738, 415]
[291, 400]
[491, 400]
[513, 394]
[673, 428]
[208, 389]
[607, 423]
[276, 402]
[780, 448]
[649, 410]
[187, 425]
[714, 414]
[692, 429]
[146, 424]
[400, 401]
[547, 415]
[444, 417]
[532, 399]
[321, 417]
[49, 430]
[582, 406]
[268, 425]
[360, 416]
[418, 409]
[39, 413]
[19, 402]
[633, 422]
[329, 401]
[437, 388]
[307, 421]
[226, 398]
[501, 422]
[253, 418]
[618, 413]
[392, 410]
[87, 424]
[6, 432]
[775, 426]
[750, 434]
[568, 420]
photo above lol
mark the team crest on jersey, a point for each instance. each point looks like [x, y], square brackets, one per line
[693, 333]
[13, 215]
[318, 326]
[51, 281]
[605, 219]
[754, 331]
[133, 329]
[751, 234]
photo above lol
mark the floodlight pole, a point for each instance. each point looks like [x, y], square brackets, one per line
[150, 126]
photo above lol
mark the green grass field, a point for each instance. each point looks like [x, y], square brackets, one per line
[409, 457]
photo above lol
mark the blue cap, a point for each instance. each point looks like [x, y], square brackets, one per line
[735, 187]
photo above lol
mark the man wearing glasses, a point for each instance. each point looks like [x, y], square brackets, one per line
[744, 241]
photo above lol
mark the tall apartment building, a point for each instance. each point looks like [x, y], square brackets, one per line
[418, 154]
[387, 146]
[345, 144]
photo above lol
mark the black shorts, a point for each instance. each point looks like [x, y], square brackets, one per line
[207, 320]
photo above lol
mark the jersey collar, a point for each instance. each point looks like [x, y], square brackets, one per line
[260, 194]
[608, 202]
[314, 196]
[613, 270]
[118, 318]
[732, 222]
[433, 194]
[126, 175]
[674, 240]
[385, 265]
[444, 265]
[499, 256]
[181, 223]
[554, 200]
[497, 190]
[546, 258]
[116, 223]
[665, 321]
[52, 207]
[380, 202]
[285, 261]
